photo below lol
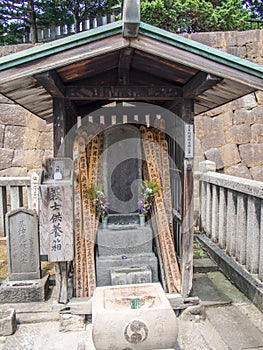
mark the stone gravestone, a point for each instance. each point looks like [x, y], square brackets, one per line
[24, 283]
[122, 168]
[23, 245]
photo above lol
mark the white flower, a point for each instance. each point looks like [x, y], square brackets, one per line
[100, 194]
[149, 190]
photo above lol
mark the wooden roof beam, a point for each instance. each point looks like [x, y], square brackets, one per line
[200, 83]
[129, 93]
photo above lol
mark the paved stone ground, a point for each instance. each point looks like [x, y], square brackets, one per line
[224, 319]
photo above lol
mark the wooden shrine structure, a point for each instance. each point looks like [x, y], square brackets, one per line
[128, 72]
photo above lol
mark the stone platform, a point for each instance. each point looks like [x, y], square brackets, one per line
[24, 291]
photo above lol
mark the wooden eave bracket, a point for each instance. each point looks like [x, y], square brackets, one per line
[52, 83]
[131, 18]
[199, 84]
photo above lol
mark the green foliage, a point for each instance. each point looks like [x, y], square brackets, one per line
[195, 15]
[12, 33]
[18, 17]
[159, 13]
[53, 12]
[255, 8]
[150, 187]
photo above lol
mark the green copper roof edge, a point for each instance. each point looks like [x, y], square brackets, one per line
[201, 49]
[59, 45]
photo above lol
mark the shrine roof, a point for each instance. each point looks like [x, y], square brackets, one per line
[104, 58]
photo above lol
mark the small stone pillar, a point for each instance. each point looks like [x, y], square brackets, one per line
[207, 165]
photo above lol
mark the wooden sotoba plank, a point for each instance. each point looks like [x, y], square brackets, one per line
[173, 276]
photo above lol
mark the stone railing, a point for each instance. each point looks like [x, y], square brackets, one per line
[56, 32]
[15, 192]
[231, 215]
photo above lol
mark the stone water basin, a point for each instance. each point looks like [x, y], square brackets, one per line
[135, 316]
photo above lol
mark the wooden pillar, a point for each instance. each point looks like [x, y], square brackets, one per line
[187, 108]
[63, 119]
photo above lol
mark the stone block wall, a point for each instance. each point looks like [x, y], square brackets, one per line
[232, 135]
[25, 140]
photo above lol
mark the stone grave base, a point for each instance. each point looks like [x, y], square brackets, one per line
[137, 267]
[24, 291]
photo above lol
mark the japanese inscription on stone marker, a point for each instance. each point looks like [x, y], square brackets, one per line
[23, 247]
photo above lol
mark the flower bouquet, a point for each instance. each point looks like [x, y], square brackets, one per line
[149, 189]
[99, 200]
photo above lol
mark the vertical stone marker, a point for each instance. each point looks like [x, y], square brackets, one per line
[23, 245]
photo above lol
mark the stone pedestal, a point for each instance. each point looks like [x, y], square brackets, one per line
[124, 239]
[124, 254]
[131, 275]
[107, 265]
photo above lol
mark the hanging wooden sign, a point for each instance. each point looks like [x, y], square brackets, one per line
[34, 186]
[189, 140]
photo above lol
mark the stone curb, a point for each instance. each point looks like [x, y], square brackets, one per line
[245, 282]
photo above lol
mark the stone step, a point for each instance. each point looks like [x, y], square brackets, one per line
[39, 317]
[236, 330]
[204, 265]
[207, 291]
